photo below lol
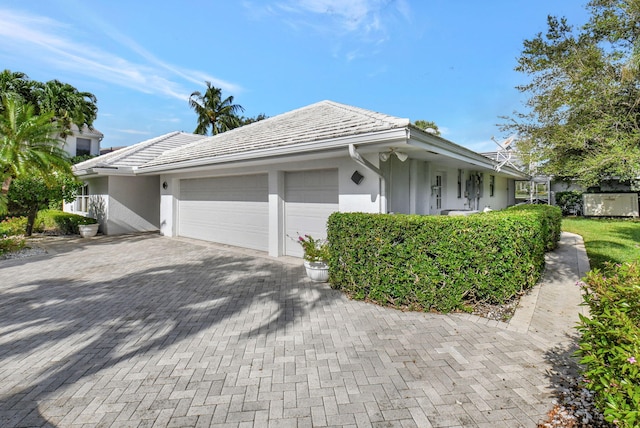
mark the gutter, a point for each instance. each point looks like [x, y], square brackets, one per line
[371, 167]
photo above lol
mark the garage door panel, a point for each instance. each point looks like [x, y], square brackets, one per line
[228, 210]
[310, 198]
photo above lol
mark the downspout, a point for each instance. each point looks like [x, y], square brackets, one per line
[371, 167]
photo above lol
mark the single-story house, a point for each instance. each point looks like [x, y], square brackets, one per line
[261, 185]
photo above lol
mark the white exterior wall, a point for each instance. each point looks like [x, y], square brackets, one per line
[134, 205]
[168, 204]
[99, 200]
[410, 185]
[122, 204]
[364, 197]
[500, 199]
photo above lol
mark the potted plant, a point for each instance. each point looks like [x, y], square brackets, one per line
[88, 227]
[316, 255]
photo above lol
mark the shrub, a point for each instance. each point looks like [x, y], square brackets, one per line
[12, 226]
[610, 344]
[437, 262]
[54, 221]
[9, 244]
[549, 219]
[570, 202]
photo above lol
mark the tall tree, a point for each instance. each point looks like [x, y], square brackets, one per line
[16, 84]
[30, 194]
[249, 120]
[68, 104]
[583, 112]
[215, 115]
[28, 144]
[427, 124]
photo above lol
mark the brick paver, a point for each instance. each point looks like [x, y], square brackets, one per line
[146, 331]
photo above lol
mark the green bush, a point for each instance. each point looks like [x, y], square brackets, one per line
[549, 218]
[13, 226]
[55, 221]
[610, 342]
[9, 244]
[570, 202]
[437, 262]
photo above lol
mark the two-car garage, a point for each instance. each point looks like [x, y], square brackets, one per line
[234, 210]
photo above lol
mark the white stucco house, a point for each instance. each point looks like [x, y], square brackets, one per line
[260, 184]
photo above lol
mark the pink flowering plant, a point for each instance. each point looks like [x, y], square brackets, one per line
[610, 342]
[315, 250]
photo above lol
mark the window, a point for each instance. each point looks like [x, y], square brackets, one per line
[83, 146]
[82, 200]
[459, 183]
[492, 185]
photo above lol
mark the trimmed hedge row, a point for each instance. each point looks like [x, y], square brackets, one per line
[60, 222]
[550, 219]
[610, 342]
[438, 262]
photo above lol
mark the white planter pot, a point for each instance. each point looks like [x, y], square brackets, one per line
[88, 230]
[317, 271]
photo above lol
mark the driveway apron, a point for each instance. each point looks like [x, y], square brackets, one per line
[142, 331]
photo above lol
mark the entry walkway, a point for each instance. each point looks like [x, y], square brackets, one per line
[149, 331]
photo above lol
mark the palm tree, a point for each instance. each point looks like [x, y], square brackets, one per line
[15, 83]
[69, 106]
[28, 145]
[214, 112]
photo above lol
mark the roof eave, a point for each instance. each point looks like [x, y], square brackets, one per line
[103, 171]
[452, 150]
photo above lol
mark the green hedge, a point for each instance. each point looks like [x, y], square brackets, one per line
[610, 342]
[550, 219]
[60, 222]
[438, 262]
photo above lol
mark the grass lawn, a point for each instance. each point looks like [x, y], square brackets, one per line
[606, 240]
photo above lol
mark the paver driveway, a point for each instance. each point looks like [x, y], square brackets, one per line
[150, 331]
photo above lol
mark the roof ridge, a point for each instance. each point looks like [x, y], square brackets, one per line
[378, 116]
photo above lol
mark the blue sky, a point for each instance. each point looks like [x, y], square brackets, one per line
[449, 61]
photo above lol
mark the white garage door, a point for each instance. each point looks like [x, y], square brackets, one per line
[228, 210]
[310, 197]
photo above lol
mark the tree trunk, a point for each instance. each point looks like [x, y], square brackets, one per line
[31, 219]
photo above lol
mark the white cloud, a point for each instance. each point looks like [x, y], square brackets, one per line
[37, 36]
[363, 20]
[169, 120]
[132, 131]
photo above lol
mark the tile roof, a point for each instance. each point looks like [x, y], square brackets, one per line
[141, 153]
[317, 122]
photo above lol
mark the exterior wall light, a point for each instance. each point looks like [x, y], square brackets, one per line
[356, 177]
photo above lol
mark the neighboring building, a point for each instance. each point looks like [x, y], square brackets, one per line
[610, 198]
[84, 142]
[260, 184]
